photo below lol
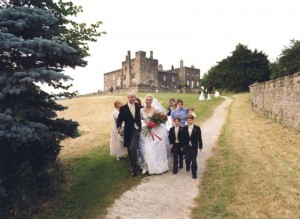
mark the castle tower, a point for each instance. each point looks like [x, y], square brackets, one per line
[126, 71]
[181, 63]
[181, 74]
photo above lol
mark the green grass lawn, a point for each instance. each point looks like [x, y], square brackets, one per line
[96, 179]
[254, 171]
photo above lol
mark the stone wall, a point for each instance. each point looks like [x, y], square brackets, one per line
[113, 79]
[278, 99]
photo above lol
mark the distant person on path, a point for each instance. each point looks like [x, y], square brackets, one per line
[192, 140]
[115, 144]
[130, 115]
[201, 97]
[208, 96]
[179, 112]
[217, 93]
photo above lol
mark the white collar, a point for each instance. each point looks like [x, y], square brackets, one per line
[191, 126]
[130, 105]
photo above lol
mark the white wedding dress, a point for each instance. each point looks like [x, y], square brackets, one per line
[153, 154]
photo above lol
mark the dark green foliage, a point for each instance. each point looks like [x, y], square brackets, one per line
[76, 35]
[238, 71]
[288, 62]
[34, 50]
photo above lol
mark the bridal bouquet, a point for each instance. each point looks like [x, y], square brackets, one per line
[156, 119]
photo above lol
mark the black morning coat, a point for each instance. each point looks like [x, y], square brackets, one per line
[195, 138]
[126, 117]
[172, 137]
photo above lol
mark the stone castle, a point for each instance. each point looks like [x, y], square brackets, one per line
[142, 73]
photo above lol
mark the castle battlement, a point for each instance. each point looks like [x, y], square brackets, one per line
[112, 72]
[140, 53]
[192, 68]
[167, 71]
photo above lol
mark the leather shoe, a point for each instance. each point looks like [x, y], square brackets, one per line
[194, 176]
[181, 166]
[174, 172]
[187, 169]
[133, 173]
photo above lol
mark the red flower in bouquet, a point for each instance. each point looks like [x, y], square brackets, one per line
[151, 124]
[156, 119]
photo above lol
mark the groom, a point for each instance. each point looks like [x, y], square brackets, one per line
[130, 115]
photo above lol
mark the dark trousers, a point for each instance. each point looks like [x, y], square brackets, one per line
[132, 150]
[191, 161]
[178, 155]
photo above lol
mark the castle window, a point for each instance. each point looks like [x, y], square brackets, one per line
[133, 76]
[192, 84]
[125, 68]
[197, 83]
[188, 83]
[124, 77]
[165, 78]
[173, 79]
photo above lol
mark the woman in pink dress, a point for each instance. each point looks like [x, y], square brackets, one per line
[116, 144]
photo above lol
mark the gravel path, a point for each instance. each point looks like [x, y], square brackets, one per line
[168, 195]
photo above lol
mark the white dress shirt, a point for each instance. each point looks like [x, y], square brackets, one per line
[176, 134]
[190, 128]
[132, 110]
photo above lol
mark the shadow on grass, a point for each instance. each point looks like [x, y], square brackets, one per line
[97, 179]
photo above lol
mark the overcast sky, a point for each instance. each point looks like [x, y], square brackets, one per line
[197, 31]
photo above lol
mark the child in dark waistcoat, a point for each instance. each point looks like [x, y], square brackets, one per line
[192, 140]
[175, 138]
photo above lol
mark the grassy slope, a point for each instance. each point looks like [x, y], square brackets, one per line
[96, 178]
[255, 170]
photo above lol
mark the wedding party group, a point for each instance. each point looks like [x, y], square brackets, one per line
[151, 135]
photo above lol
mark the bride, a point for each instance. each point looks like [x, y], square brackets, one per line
[153, 152]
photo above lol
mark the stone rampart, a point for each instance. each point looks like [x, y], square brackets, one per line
[278, 99]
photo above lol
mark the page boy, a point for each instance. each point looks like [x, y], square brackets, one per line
[175, 138]
[192, 140]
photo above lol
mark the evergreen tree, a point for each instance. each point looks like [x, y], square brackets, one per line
[34, 49]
